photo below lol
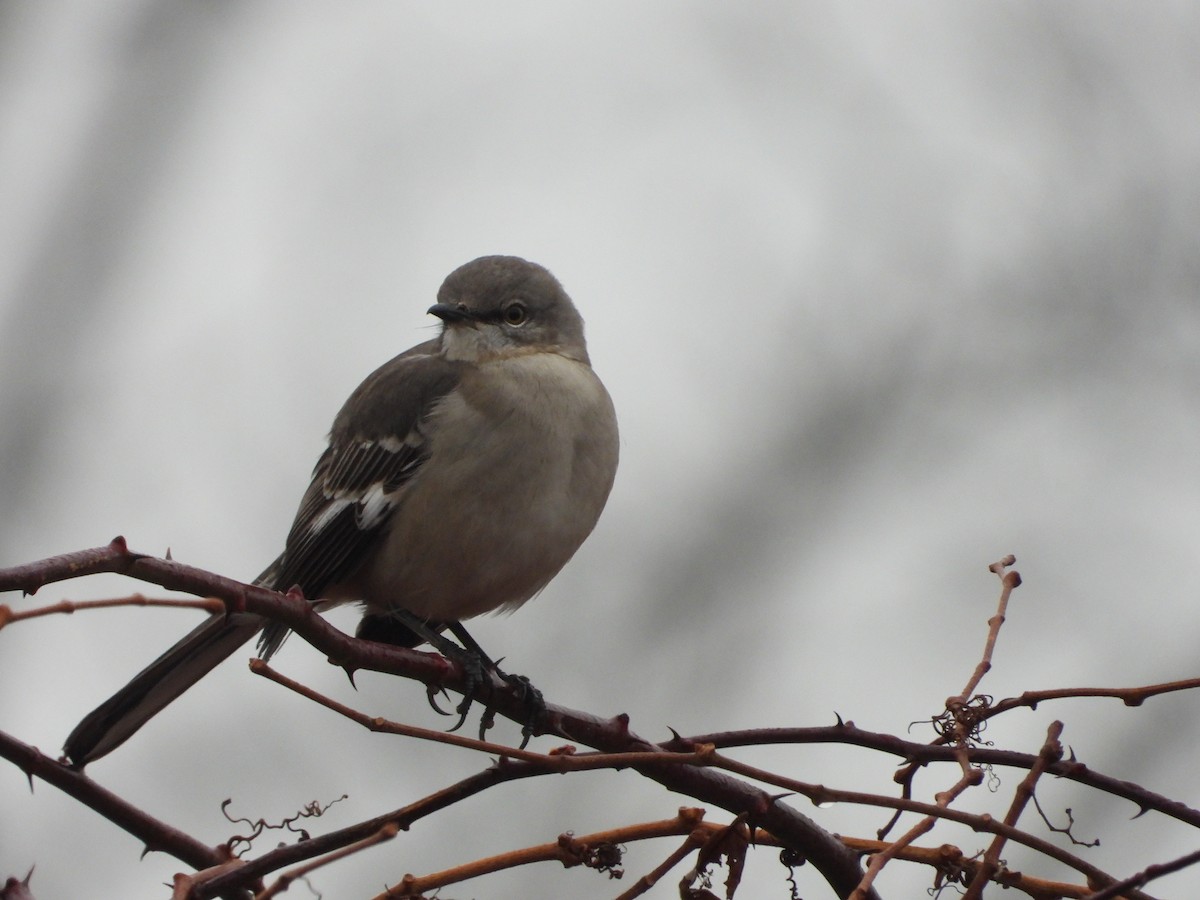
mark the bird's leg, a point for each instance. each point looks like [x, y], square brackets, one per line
[534, 702]
[402, 628]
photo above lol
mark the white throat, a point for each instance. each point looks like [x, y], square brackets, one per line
[469, 342]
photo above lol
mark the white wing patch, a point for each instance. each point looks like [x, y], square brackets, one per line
[373, 506]
[328, 513]
[372, 502]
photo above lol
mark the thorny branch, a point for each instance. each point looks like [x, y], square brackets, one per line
[828, 855]
[687, 765]
[1158, 870]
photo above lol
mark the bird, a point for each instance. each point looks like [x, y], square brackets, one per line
[459, 478]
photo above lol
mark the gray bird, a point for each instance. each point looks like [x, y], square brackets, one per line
[460, 477]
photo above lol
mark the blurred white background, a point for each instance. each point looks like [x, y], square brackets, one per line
[882, 292]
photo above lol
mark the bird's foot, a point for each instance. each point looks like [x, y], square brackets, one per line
[531, 698]
[406, 630]
[403, 629]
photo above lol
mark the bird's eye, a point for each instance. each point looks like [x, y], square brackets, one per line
[515, 314]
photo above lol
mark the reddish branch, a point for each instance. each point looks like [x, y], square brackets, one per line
[821, 794]
[682, 765]
[922, 754]
[838, 865]
[1125, 887]
[704, 754]
[155, 834]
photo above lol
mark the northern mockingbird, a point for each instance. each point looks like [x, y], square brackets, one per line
[459, 479]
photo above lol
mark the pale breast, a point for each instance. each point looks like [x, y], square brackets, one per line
[522, 458]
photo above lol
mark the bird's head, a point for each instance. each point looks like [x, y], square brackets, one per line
[504, 305]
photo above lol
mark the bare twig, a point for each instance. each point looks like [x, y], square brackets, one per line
[403, 818]
[821, 794]
[970, 777]
[1134, 696]
[1051, 752]
[568, 850]
[1008, 581]
[564, 759]
[1148, 874]
[953, 866]
[682, 765]
[113, 557]
[1068, 829]
[284, 881]
[694, 841]
[838, 865]
[155, 834]
[67, 607]
[922, 754]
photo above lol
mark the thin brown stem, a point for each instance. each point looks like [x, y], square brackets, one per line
[565, 759]
[970, 777]
[821, 794]
[570, 850]
[1158, 870]
[154, 833]
[284, 881]
[1051, 752]
[694, 841]
[922, 754]
[1008, 581]
[9, 616]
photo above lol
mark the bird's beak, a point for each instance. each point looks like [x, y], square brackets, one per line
[452, 312]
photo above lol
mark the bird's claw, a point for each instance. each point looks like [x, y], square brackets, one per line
[486, 721]
[477, 677]
[431, 693]
[531, 699]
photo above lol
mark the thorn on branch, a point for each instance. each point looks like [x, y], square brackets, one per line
[17, 890]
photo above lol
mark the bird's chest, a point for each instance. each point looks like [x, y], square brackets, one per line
[512, 436]
[519, 466]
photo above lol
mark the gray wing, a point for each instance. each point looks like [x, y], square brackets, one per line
[378, 443]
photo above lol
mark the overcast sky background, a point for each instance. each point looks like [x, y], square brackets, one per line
[881, 292]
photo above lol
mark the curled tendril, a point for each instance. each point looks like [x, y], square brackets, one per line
[965, 722]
